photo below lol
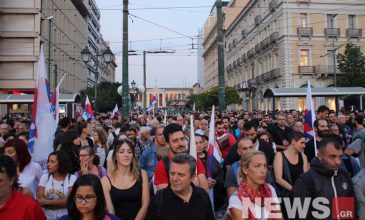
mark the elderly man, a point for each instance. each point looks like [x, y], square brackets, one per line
[181, 199]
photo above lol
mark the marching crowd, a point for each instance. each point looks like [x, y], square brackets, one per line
[140, 168]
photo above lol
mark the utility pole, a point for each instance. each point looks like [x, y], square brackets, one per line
[49, 47]
[144, 81]
[55, 75]
[125, 88]
[334, 60]
[221, 82]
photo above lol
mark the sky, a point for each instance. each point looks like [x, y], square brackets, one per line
[170, 25]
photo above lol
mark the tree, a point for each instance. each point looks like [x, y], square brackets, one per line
[352, 66]
[107, 96]
[207, 99]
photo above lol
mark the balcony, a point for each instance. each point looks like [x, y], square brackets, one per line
[303, 2]
[274, 37]
[305, 32]
[251, 82]
[266, 76]
[265, 43]
[244, 57]
[272, 5]
[275, 73]
[258, 48]
[306, 70]
[259, 79]
[326, 70]
[257, 20]
[332, 32]
[251, 53]
[353, 33]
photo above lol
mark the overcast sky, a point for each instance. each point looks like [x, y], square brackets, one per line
[183, 17]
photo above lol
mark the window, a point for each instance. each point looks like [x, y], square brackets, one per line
[330, 21]
[352, 21]
[304, 58]
[303, 20]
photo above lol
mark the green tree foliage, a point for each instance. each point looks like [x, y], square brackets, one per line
[107, 96]
[352, 66]
[207, 99]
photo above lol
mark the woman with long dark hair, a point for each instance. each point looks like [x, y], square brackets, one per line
[100, 145]
[126, 187]
[29, 173]
[71, 145]
[87, 201]
[55, 185]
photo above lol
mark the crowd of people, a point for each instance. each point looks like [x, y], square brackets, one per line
[110, 167]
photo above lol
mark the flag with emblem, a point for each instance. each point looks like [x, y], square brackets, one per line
[309, 117]
[88, 111]
[43, 120]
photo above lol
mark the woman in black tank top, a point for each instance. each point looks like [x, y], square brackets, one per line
[289, 164]
[126, 188]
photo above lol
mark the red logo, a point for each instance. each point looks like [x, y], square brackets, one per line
[343, 208]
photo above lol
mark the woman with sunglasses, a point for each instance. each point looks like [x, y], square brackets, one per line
[126, 187]
[87, 201]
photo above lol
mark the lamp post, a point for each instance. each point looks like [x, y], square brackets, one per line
[132, 91]
[106, 56]
[125, 95]
[145, 72]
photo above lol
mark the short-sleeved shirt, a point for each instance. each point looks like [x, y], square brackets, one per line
[30, 176]
[162, 177]
[54, 190]
[235, 202]
[20, 206]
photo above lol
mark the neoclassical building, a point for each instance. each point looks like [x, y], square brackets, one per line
[283, 44]
[163, 95]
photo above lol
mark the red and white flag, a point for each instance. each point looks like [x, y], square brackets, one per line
[43, 121]
[88, 111]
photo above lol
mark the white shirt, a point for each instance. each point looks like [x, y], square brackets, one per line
[54, 189]
[30, 176]
[100, 151]
[235, 202]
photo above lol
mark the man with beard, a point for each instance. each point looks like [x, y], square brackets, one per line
[320, 129]
[358, 141]
[250, 131]
[224, 138]
[177, 142]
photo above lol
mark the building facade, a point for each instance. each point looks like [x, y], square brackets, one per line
[283, 44]
[25, 28]
[163, 96]
[210, 55]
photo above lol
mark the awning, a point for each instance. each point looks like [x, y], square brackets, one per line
[321, 92]
[14, 99]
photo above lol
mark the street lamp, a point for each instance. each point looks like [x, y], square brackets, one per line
[133, 90]
[106, 56]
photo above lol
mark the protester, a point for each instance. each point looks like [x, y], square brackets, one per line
[87, 201]
[29, 173]
[289, 164]
[214, 173]
[13, 204]
[324, 178]
[85, 133]
[320, 127]
[232, 178]
[100, 145]
[71, 145]
[280, 132]
[87, 163]
[64, 125]
[358, 141]
[55, 185]
[359, 190]
[126, 187]
[253, 168]
[177, 142]
[148, 159]
[224, 138]
[181, 199]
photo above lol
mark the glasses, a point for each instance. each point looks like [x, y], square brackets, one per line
[88, 198]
